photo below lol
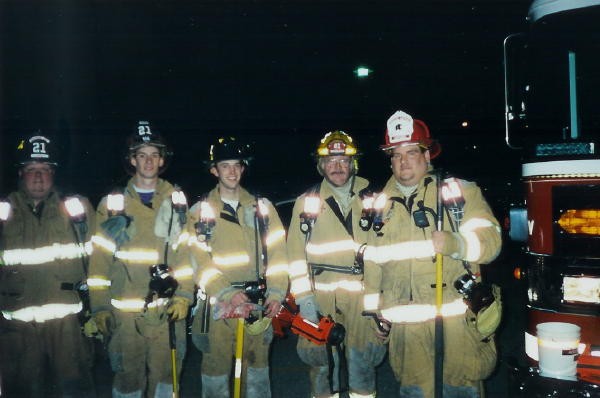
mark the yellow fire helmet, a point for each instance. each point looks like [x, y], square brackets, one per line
[337, 143]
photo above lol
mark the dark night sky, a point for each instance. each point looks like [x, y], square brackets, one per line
[279, 73]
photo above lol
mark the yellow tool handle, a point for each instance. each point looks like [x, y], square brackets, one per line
[173, 346]
[174, 373]
[239, 349]
[438, 283]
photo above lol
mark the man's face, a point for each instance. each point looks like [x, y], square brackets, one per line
[37, 179]
[229, 173]
[336, 169]
[409, 164]
[147, 161]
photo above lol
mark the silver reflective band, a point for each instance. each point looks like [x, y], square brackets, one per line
[136, 304]
[348, 285]
[183, 272]
[43, 313]
[399, 251]
[94, 282]
[413, 313]
[46, 254]
[331, 247]
[104, 243]
[232, 260]
[146, 256]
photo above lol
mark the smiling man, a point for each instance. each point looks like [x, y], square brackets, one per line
[44, 248]
[238, 245]
[400, 268]
[128, 308]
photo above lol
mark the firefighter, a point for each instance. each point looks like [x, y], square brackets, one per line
[44, 243]
[326, 272]
[238, 246]
[134, 290]
[400, 268]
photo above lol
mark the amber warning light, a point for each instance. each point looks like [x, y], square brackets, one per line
[585, 222]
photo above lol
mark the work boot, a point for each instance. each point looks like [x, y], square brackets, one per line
[163, 390]
[215, 386]
[117, 394]
[257, 383]
[411, 392]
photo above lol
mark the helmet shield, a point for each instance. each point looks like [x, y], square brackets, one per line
[402, 130]
[37, 148]
[337, 143]
[145, 135]
[228, 148]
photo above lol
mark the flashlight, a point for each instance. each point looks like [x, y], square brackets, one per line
[378, 206]
[179, 203]
[368, 212]
[312, 205]
[75, 209]
[453, 198]
[263, 210]
[4, 210]
[204, 227]
[115, 204]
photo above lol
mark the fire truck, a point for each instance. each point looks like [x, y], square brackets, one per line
[552, 113]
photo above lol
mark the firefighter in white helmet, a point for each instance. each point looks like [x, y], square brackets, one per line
[135, 288]
[238, 245]
[400, 267]
[44, 249]
[325, 241]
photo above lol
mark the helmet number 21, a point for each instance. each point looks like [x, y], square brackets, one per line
[39, 147]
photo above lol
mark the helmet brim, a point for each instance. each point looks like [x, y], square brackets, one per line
[432, 146]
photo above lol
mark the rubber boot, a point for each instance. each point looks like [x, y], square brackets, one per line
[163, 390]
[215, 386]
[118, 394]
[257, 383]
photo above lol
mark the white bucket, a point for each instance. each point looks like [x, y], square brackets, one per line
[557, 349]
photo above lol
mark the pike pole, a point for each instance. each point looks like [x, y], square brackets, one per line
[239, 349]
[173, 359]
[439, 320]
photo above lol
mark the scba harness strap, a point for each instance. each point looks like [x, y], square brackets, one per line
[317, 269]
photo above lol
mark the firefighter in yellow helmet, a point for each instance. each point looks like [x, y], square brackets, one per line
[400, 267]
[238, 246]
[324, 248]
[135, 288]
[44, 249]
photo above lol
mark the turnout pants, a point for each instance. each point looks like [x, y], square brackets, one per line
[140, 355]
[41, 359]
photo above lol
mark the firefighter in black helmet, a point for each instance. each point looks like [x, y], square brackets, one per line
[132, 257]
[44, 248]
[238, 242]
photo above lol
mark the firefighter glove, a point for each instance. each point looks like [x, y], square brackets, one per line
[488, 319]
[119, 228]
[105, 322]
[309, 309]
[167, 222]
[90, 329]
[448, 244]
[178, 308]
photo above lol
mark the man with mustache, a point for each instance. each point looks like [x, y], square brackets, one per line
[324, 241]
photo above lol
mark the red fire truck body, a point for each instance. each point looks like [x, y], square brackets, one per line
[552, 97]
